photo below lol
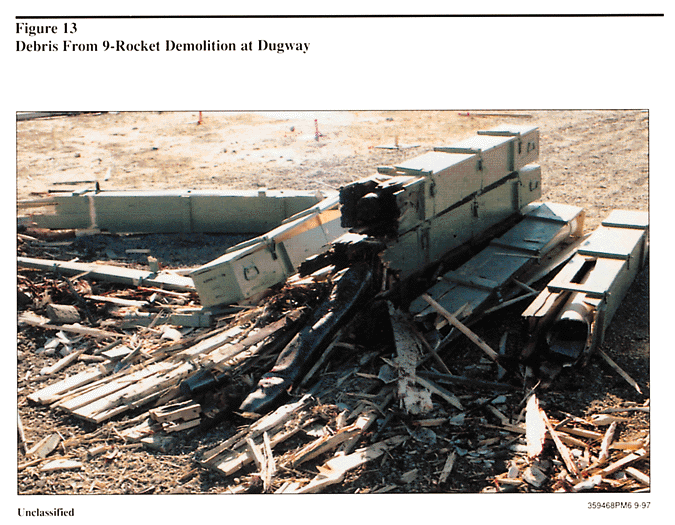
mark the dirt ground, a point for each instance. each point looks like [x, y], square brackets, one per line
[594, 159]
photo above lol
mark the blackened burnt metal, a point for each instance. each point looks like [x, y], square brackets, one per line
[351, 290]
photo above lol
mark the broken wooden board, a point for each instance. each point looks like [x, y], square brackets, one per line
[476, 282]
[109, 273]
[61, 464]
[147, 433]
[62, 313]
[265, 424]
[334, 470]
[96, 395]
[327, 442]
[233, 460]
[32, 319]
[414, 400]
[185, 411]
[51, 392]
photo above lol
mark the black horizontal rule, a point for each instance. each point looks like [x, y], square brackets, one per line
[344, 16]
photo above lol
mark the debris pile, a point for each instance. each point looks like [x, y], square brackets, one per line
[341, 353]
[387, 399]
[575, 454]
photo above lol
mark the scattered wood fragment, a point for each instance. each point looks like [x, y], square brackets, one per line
[63, 362]
[606, 442]
[45, 446]
[334, 470]
[589, 434]
[627, 445]
[532, 475]
[587, 484]
[40, 322]
[619, 370]
[440, 391]
[535, 427]
[61, 464]
[62, 314]
[562, 449]
[115, 300]
[21, 433]
[462, 328]
[638, 475]
[622, 463]
[447, 467]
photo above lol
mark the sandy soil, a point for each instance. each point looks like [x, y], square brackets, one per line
[594, 159]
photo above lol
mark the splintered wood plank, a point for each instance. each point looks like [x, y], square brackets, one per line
[122, 399]
[49, 393]
[638, 475]
[440, 391]
[620, 371]
[226, 352]
[256, 453]
[176, 426]
[328, 442]
[112, 385]
[447, 468]
[334, 470]
[365, 421]
[264, 424]
[72, 328]
[114, 274]
[171, 375]
[408, 356]
[186, 411]
[63, 362]
[232, 462]
[211, 342]
[622, 463]
[606, 442]
[61, 464]
[269, 464]
[589, 434]
[535, 428]
[462, 328]
[115, 300]
[45, 446]
[562, 449]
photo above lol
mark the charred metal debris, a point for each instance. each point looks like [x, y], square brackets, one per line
[329, 339]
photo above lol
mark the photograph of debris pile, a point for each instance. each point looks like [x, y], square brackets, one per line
[338, 302]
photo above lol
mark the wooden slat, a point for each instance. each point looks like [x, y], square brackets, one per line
[462, 328]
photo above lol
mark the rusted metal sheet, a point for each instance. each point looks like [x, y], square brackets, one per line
[570, 317]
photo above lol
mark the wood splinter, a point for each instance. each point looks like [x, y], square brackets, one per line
[462, 328]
